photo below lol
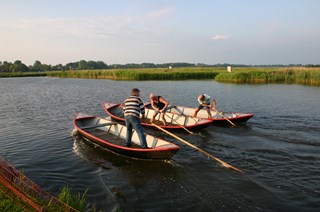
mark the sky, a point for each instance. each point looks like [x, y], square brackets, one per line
[251, 32]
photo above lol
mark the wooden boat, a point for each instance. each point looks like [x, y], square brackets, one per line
[111, 135]
[174, 121]
[217, 118]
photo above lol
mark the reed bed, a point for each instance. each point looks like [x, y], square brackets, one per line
[22, 74]
[252, 75]
[289, 75]
[141, 74]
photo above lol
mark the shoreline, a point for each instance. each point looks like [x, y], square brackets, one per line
[238, 75]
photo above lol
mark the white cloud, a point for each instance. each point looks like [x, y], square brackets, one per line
[220, 37]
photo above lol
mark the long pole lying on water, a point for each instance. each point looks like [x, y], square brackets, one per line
[206, 153]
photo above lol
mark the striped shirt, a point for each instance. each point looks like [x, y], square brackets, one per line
[133, 106]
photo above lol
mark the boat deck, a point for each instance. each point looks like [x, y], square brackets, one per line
[110, 138]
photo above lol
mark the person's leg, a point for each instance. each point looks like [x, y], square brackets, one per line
[129, 130]
[208, 111]
[197, 110]
[163, 118]
[139, 129]
[154, 116]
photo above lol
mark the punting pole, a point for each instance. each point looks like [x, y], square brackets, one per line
[180, 125]
[206, 153]
[225, 117]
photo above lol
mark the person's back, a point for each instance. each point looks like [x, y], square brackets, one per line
[133, 106]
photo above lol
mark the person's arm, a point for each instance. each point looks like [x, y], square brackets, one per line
[200, 101]
[142, 110]
[152, 104]
[165, 102]
[214, 104]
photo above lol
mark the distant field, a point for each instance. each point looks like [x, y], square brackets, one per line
[288, 75]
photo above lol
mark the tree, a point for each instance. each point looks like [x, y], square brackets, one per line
[18, 66]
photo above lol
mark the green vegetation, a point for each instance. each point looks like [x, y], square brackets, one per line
[140, 74]
[288, 75]
[23, 74]
[9, 202]
[307, 75]
[77, 201]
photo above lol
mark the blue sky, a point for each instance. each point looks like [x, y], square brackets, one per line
[161, 31]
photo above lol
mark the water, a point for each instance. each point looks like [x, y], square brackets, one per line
[278, 149]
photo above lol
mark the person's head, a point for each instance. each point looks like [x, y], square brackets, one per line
[201, 97]
[152, 95]
[135, 92]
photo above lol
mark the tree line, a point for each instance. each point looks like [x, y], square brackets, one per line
[18, 66]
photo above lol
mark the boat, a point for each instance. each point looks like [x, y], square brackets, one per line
[218, 118]
[174, 121]
[112, 136]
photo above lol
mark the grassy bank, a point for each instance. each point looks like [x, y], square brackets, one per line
[9, 202]
[22, 74]
[288, 75]
[141, 74]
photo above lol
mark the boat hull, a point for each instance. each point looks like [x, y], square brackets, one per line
[158, 148]
[217, 119]
[176, 121]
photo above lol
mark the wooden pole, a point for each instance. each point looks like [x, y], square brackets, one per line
[225, 117]
[206, 153]
[180, 125]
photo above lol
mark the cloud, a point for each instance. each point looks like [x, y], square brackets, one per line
[161, 13]
[96, 27]
[220, 37]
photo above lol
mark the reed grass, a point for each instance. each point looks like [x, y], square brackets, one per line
[289, 75]
[11, 203]
[77, 201]
[22, 74]
[140, 74]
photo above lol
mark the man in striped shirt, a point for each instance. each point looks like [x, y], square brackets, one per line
[133, 106]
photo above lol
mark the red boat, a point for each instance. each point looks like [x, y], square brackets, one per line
[218, 118]
[112, 136]
[174, 121]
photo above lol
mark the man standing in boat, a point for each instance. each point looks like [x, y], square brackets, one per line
[133, 107]
[205, 101]
[160, 105]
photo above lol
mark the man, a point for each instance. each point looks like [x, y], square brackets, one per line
[133, 107]
[160, 105]
[205, 101]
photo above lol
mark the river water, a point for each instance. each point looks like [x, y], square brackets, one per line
[278, 149]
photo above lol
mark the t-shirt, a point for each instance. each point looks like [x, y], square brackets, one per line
[207, 100]
[133, 106]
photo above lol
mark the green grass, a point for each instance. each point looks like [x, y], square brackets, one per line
[77, 201]
[22, 74]
[14, 203]
[139, 74]
[288, 75]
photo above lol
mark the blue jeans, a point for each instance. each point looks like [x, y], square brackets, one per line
[135, 123]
